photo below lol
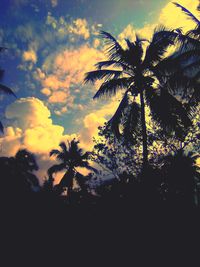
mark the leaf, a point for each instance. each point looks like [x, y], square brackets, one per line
[115, 120]
[188, 13]
[161, 40]
[93, 76]
[115, 51]
[110, 87]
[56, 168]
[113, 63]
[54, 152]
[1, 127]
[131, 122]
[6, 90]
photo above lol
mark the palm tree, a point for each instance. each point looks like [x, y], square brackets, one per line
[138, 71]
[4, 89]
[71, 157]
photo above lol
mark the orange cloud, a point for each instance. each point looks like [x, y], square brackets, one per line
[30, 55]
[66, 70]
[80, 27]
[58, 97]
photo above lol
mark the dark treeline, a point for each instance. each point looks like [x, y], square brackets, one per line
[144, 162]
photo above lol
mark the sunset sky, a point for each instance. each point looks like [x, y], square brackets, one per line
[51, 44]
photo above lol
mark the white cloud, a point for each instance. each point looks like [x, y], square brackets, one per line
[31, 127]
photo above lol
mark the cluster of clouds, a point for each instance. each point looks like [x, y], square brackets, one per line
[61, 81]
[32, 128]
[57, 57]
[61, 76]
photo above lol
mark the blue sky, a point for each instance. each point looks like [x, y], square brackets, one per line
[51, 44]
[24, 25]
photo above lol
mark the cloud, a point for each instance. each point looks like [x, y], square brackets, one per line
[80, 27]
[30, 55]
[31, 127]
[62, 74]
[61, 97]
[46, 91]
[94, 119]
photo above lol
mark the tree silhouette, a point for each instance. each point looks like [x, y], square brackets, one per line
[3, 88]
[71, 157]
[18, 178]
[182, 175]
[138, 71]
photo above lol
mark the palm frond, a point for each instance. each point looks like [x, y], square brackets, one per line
[93, 76]
[162, 39]
[115, 120]
[54, 152]
[63, 147]
[6, 90]
[135, 52]
[113, 63]
[56, 168]
[1, 127]
[168, 111]
[112, 86]
[81, 180]
[114, 50]
[131, 122]
[188, 13]
[85, 164]
[74, 149]
[67, 179]
[86, 155]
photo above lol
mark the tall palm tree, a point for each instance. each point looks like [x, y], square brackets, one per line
[3, 88]
[71, 157]
[136, 70]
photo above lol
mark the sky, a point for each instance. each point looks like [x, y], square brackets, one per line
[50, 45]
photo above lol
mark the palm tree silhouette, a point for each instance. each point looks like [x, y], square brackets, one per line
[138, 71]
[71, 157]
[3, 88]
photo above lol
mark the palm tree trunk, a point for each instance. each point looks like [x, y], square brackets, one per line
[70, 186]
[144, 130]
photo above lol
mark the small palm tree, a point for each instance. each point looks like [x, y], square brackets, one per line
[71, 157]
[138, 71]
[4, 89]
